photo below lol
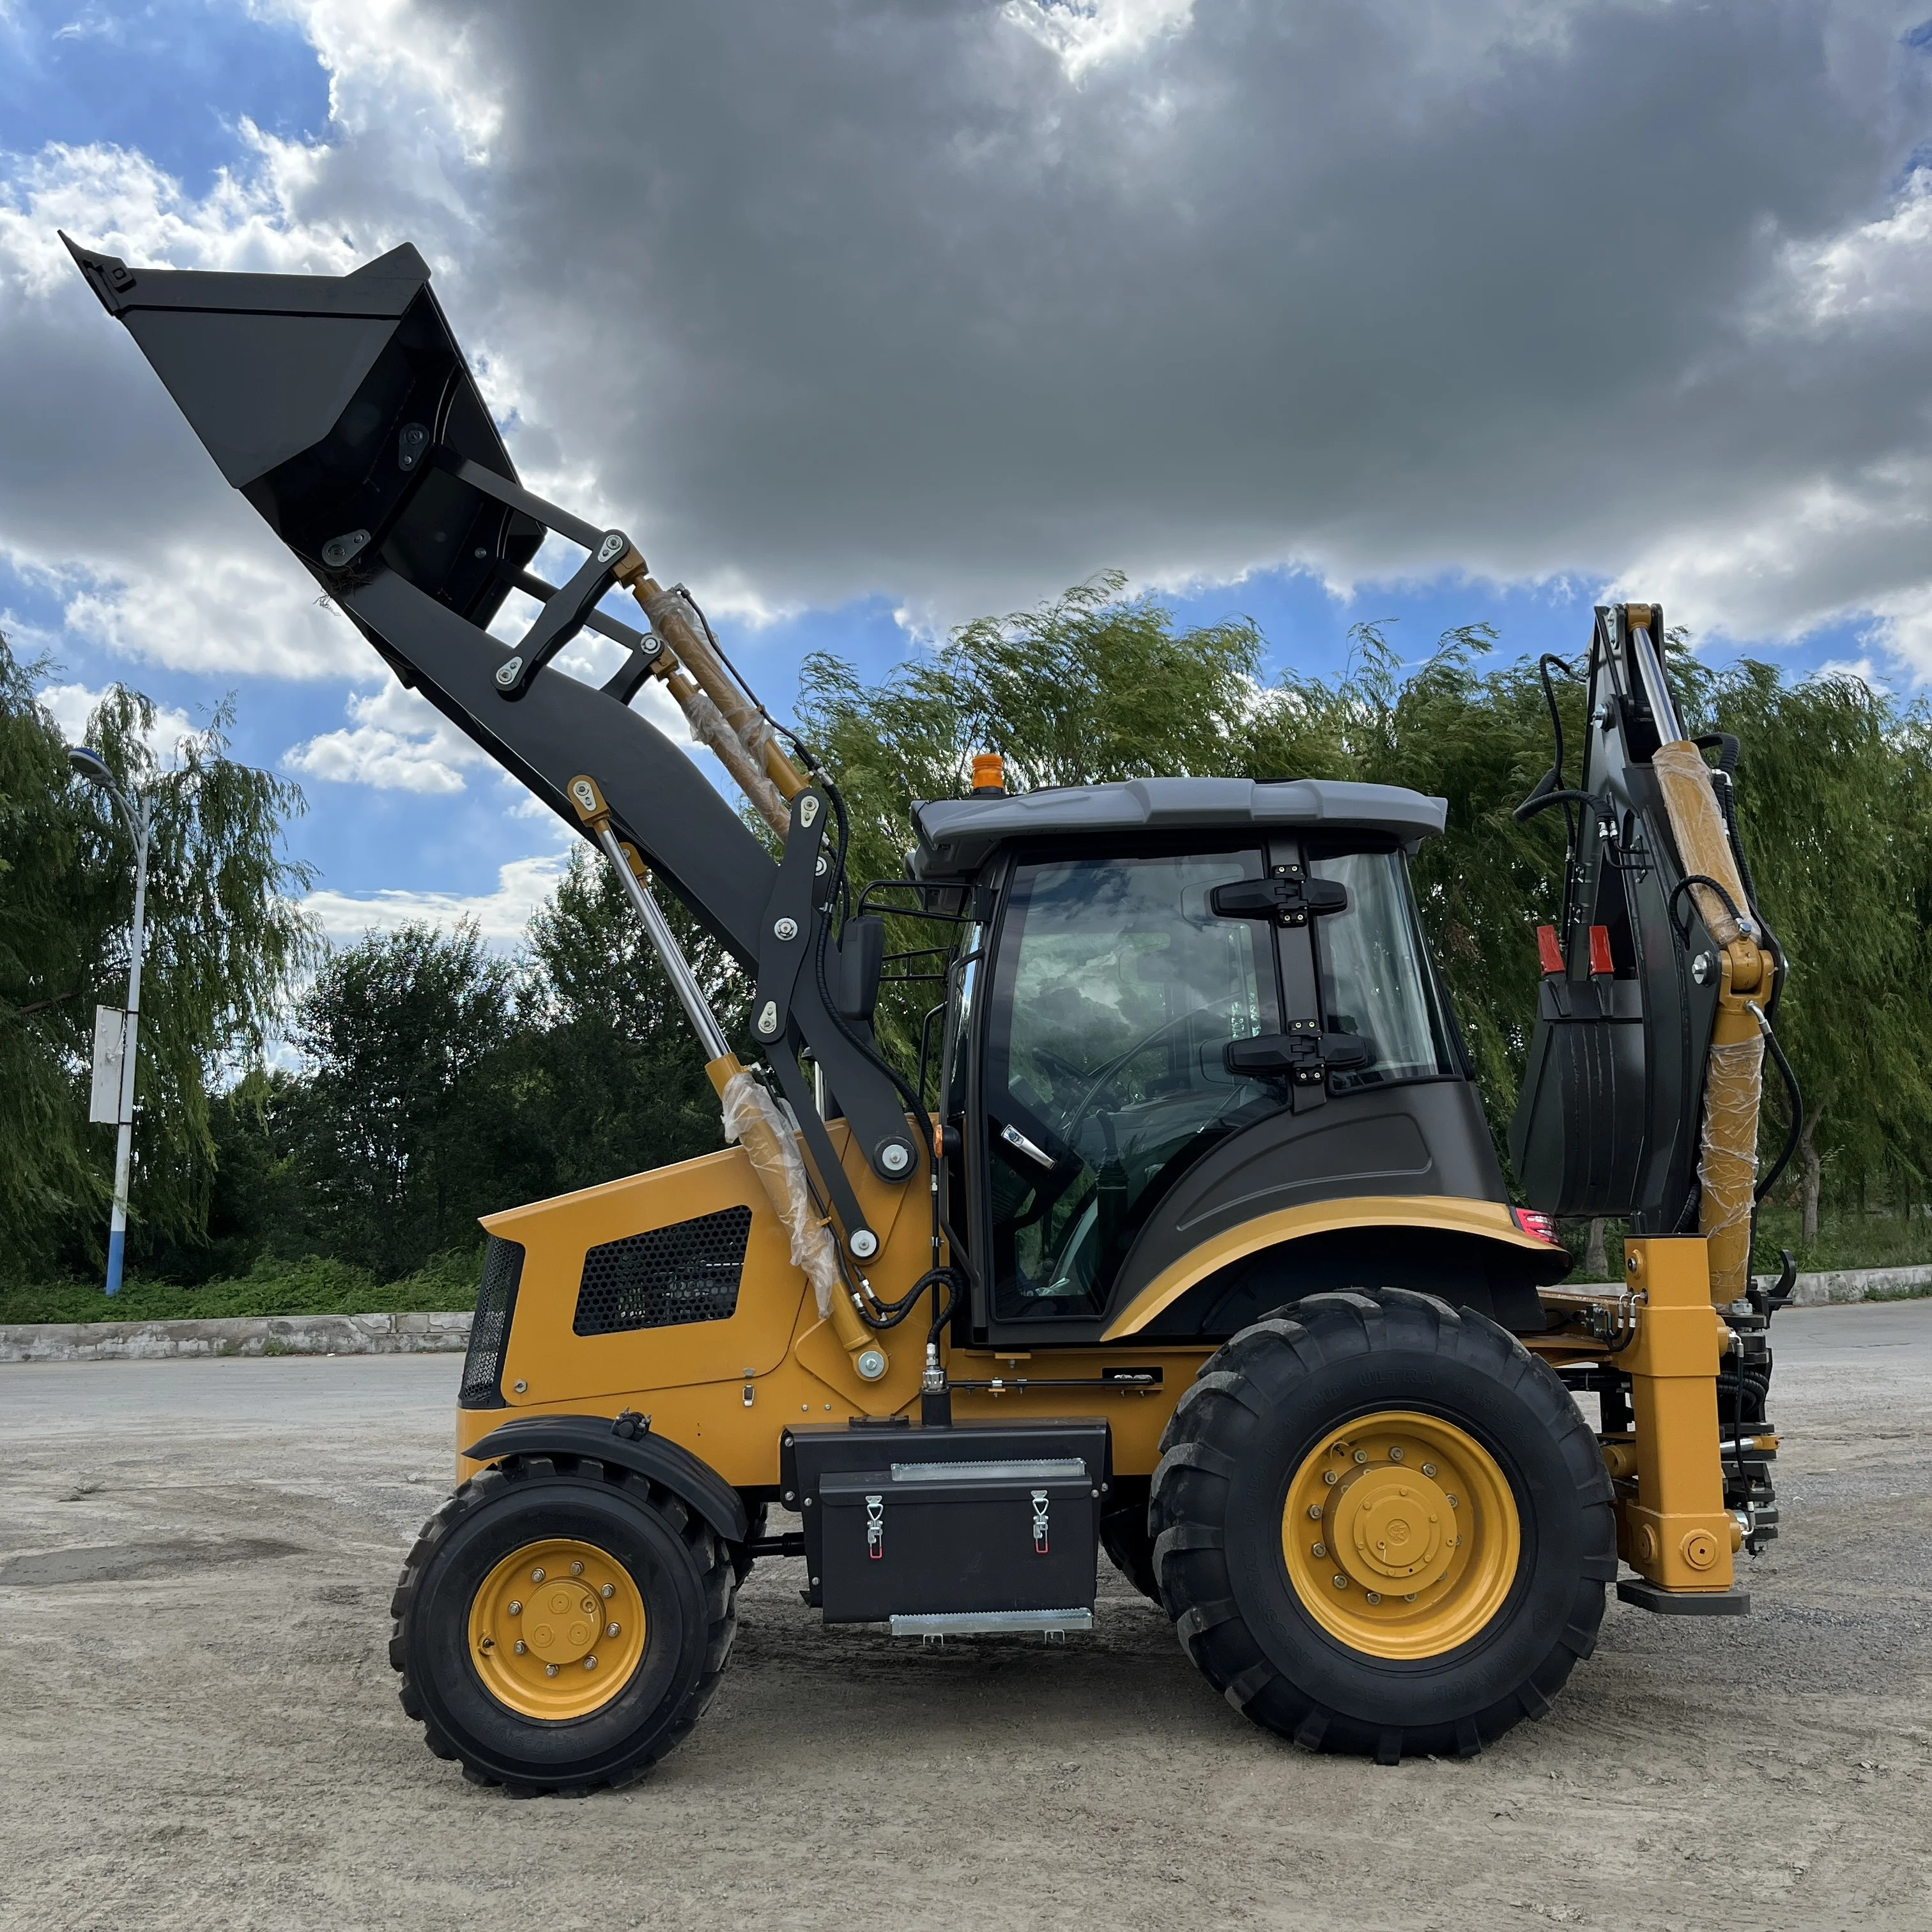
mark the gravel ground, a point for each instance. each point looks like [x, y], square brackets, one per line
[199, 1728]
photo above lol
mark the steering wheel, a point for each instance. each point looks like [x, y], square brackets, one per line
[1108, 1072]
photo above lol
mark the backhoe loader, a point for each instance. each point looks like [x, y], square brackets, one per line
[1186, 1240]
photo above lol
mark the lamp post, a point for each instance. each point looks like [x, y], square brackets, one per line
[135, 809]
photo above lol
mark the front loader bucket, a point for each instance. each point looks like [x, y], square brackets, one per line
[341, 406]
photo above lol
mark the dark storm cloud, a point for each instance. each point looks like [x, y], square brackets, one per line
[944, 301]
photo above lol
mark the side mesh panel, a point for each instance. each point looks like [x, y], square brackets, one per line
[688, 1272]
[489, 1332]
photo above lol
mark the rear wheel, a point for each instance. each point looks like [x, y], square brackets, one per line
[1382, 1526]
[561, 1624]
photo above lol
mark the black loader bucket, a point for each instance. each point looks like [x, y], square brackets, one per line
[323, 398]
[341, 407]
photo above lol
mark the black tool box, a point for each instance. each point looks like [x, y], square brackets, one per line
[981, 1525]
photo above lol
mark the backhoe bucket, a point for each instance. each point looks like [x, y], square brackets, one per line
[341, 406]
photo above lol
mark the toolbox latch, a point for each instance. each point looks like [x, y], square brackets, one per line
[875, 1527]
[1039, 1522]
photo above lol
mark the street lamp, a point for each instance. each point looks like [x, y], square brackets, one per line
[134, 809]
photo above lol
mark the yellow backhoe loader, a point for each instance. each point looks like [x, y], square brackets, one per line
[1186, 1242]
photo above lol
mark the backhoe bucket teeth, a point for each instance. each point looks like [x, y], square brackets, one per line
[341, 406]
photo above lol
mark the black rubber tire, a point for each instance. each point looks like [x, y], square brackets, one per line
[1261, 1403]
[1126, 1537]
[689, 1588]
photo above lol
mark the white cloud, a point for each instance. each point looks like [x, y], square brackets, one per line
[1083, 33]
[396, 741]
[500, 916]
[72, 705]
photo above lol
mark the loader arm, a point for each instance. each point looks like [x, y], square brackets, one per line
[343, 409]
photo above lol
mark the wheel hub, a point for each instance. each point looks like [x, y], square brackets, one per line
[557, 1629]
[1401, 1535]
[1391, 1528]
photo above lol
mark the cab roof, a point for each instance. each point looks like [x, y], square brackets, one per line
[957, 835]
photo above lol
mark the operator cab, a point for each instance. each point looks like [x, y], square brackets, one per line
[1180, 1004]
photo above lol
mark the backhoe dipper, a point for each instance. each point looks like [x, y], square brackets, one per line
[1203, 1255]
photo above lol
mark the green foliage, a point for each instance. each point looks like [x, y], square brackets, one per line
[616, 1083]
[442, 1083]
[224, 946]
[311, 1286]
[1834, 795]
[394, 1131]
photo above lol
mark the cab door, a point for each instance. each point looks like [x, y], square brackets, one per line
[1115, 989]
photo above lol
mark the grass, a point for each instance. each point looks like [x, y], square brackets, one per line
[273, 1286]
[1846, 1239]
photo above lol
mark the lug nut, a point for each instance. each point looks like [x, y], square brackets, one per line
[590, 1663]
[1341, 1581]
[1452, 1502]
[1330, 1476]
[1429, 1469]
[536, 1575]
[1314, 1512]
[609, 1591]
[1410, 1598]
[577, 1569]
[1395, 1453]
[516, 1609]
[1318, 1550]
[609, 1630]
[1374, 1597]
[1361, 1455]
[549, 1670]
[521, 1647]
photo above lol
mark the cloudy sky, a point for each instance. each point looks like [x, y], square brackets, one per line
[866, 318]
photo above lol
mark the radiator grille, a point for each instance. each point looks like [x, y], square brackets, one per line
[688, 1272]
[489, 1331]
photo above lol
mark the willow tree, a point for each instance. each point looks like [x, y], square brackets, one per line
[1089, 687]
[225, 944]
[1835, 795]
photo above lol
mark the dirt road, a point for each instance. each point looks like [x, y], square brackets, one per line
[199, 1727]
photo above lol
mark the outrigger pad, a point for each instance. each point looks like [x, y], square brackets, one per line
[1653, 1596]
[341, 407]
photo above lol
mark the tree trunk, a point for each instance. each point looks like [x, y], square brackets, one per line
[1596, 1267]
[1813, 1168]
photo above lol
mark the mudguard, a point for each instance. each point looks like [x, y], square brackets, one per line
[653, 1456]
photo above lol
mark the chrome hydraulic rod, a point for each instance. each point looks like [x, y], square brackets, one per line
[684, 982]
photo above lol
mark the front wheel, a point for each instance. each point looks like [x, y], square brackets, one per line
[1382, 1525]
[561, 1624]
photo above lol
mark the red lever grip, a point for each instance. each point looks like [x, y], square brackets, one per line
[1600, 962]
[1547, 950]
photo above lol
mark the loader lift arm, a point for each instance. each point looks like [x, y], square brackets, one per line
[341, 407]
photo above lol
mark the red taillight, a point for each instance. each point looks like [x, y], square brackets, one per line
[1548, 950]
[1600, 962]
[1539, 1225]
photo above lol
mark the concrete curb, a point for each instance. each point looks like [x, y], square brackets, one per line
[1820, 1291]
[449, 1333]
[236, 1335]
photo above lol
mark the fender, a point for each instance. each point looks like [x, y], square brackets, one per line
[1490, 1220]
[692, 1481]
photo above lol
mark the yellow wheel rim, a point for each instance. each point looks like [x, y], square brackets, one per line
[557, 1629]
[1401, 1535]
